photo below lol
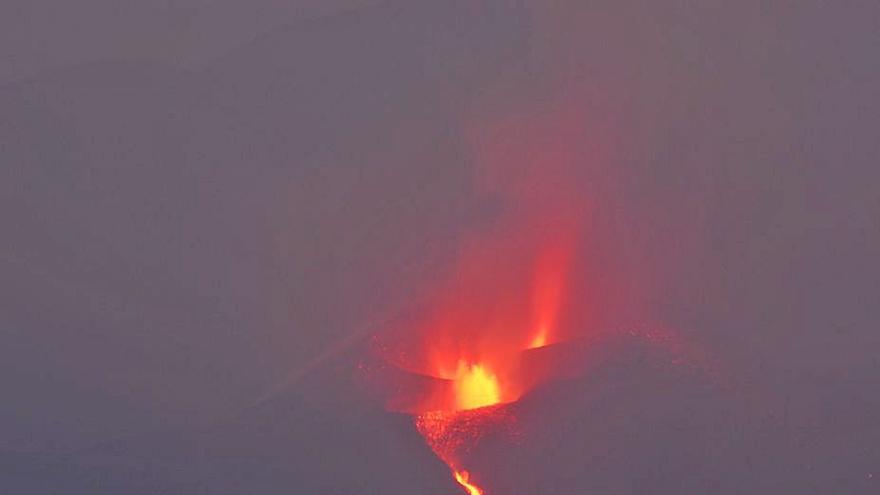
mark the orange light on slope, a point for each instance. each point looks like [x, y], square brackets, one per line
[475, 386]
[540, 339]
[520, 285]
[508, 291]
[446, 432]
[548, 290]
[463, 479]
[477, 370]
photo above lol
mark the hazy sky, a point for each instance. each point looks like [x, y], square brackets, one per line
[199, 197]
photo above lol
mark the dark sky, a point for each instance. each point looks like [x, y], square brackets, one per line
[207, 206]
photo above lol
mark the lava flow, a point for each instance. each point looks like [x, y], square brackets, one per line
[463, 479]
[476, 389]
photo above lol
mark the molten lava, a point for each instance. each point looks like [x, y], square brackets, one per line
[450, 433]
[475, 386]
[540, 339]
[474, 350]
[507, 293]
[479, 343]
[505, 298]
[463, 479]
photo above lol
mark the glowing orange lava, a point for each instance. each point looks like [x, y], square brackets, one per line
[475, 386]
[540, 339]
[449, 433]
[463, 479]
[507, 291]
[474, 340]
[491, 329]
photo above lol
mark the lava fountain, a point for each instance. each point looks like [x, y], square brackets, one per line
[524, 284]
[470, 353]
[507, 294]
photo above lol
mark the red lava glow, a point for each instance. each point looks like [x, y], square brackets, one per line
[475, 387]
[477, 345]
[500, 303]
[508, 292]
[450, 433]
[473, 342]
[463, 479]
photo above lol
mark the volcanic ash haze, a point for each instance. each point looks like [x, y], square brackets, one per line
[205, 204]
